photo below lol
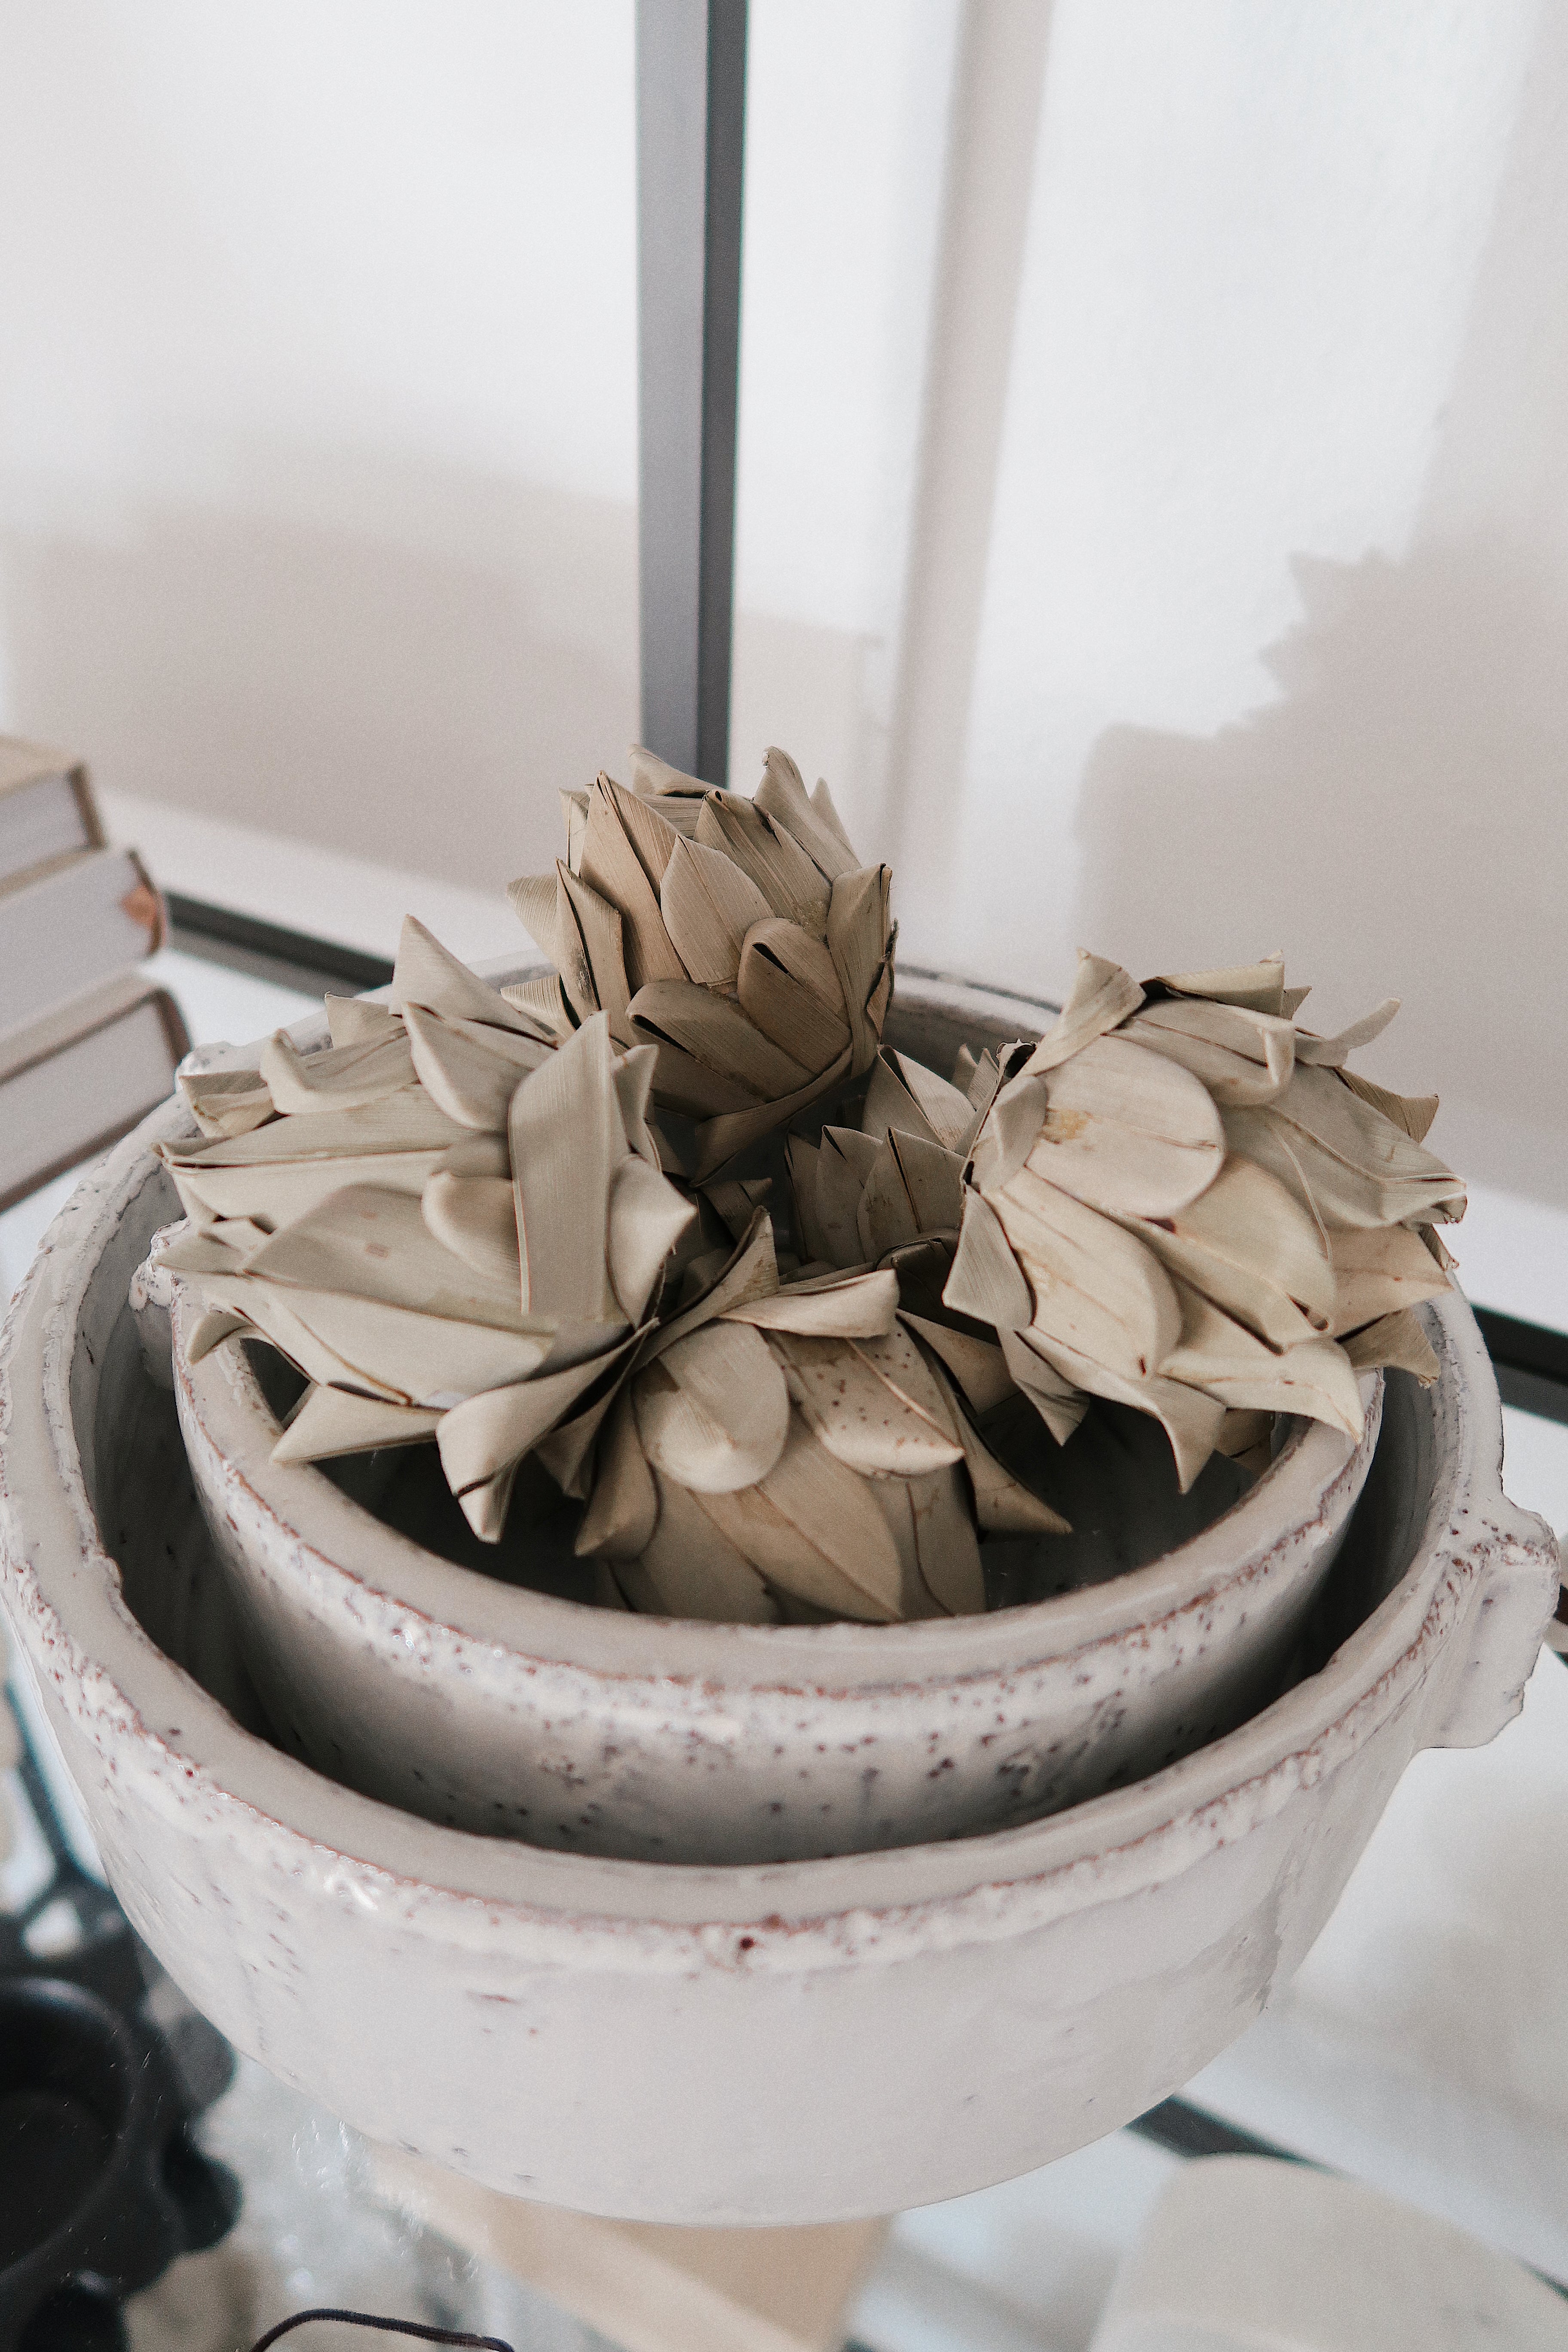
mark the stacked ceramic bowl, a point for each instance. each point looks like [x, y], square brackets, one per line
[711, 1923]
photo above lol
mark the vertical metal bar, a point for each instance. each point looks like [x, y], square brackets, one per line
[691, 100]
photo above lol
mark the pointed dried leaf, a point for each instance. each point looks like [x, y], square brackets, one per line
[886, 1217]
[1191, 1419]
[634, 1072]
[1398, 1342]
[475, 1217]
[892, 1498]
[708, 906]
[800, 1161]
[735, 1203]
[751, 1272]
[829, 1306]
[1102, 997]
[1226, 1361]
[623, 1512]
[1330, 1052]
[575, 810]
[653, 828]
[1377, 1272]
[1413, 1113]
[829, 1512]
[720, 1139]
[612, 865]
[773, 859]
[1241, 1056]
[212, 1327]
[227, 1103]
[843, 1165]
[567, 1142]
[715, 1031]
[691, 1568]
[1059, 1402]
[343, 1078]
[806, 1580]
[489, 1432]
[822, 803]
[1003, 1505]
[331, 1422]
[648, 1218]
[933, 1179]
[355, 1021]
[860, 940]
[1250, 1246]
[1259, 986]
[783, 796]
[405, 1121]
[987, 1281]
[657, 778]
[543, 1001]
[1342, 1158]
[789, 989]
[419, 1359]
[370, 1243]
[279, 1192]
[948, 1113]
[471, 1070]
[681, 1084]
[1010, 1131]
[977, 1367]
[535, 898]
[428, 973]
[599, 928]
[1096, 1289]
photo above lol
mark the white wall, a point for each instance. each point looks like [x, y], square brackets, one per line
[317, 462]
[318, 434]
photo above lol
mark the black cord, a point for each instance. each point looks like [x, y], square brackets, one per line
[388, 2326]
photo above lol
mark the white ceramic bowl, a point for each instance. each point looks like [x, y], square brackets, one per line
[486, 1705]
[764, 2044]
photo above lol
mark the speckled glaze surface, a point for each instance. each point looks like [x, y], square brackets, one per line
[487, 1706]
[759, 2044]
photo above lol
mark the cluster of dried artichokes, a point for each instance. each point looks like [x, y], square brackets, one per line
[504, 1220]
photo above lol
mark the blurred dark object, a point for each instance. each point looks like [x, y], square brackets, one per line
[103, 2068]
[100, 2186]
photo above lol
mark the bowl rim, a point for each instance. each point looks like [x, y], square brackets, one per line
[164, 1744]
[332, 1548]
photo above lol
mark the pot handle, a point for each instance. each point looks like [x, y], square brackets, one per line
[1557, 1625]
[1514, 1585]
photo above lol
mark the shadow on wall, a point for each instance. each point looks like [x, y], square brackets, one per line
[410, 679]
[1397, 822]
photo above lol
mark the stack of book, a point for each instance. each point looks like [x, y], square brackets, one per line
[89, 1044]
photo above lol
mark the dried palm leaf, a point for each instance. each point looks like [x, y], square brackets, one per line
[450, 1225]
[1398, 1342]
[819, 1441]
[742, 938]
[1275, 1204]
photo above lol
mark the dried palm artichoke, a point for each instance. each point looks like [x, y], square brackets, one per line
[794, 1451]
[450, 1225]
[742, 939]
[1181, 1199]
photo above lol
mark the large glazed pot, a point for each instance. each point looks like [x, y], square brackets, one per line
[486, 1705]
[761, 2044]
